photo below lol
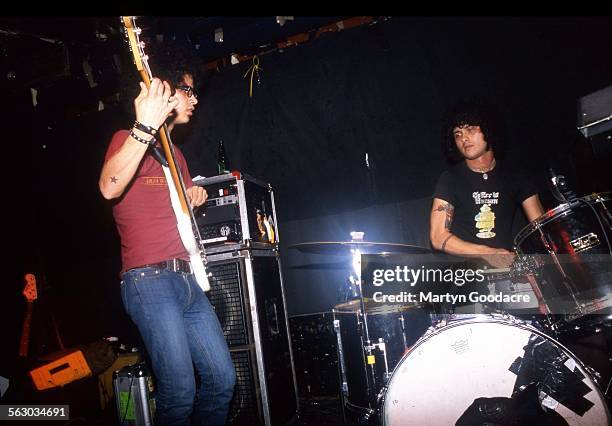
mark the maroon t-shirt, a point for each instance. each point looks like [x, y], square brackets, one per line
[144, 216]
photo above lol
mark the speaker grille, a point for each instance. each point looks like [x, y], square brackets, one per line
[243, 408]
[232, 300]
[226, 298]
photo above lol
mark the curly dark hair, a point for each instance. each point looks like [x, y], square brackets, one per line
[171, 63]
[168, 61]
[473, 113]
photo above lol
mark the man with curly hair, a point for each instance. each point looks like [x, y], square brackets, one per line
[177, 323]
[474, 202]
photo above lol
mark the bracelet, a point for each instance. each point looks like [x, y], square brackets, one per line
[144, 128]
[151, 141]
[445, 241]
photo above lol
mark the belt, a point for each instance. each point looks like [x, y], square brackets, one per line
[175, 265]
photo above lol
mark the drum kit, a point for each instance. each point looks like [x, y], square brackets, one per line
[405, 364]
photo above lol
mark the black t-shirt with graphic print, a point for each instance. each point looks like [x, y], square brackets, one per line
[484, 209]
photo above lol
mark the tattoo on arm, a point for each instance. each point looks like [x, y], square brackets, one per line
[114, 179]
[450, 210]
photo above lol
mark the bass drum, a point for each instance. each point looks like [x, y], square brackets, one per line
[491, 370]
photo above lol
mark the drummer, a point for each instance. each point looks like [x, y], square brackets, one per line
[475, 200]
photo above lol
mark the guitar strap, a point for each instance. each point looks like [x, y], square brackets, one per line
[159, 156]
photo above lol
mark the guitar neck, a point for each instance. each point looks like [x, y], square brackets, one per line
[24, 342]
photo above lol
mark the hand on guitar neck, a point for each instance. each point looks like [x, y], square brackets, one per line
[155, 103]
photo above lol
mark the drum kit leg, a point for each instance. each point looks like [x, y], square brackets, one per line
[367, 358]
[402, 365]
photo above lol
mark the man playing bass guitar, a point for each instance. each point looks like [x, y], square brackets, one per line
[159, 291]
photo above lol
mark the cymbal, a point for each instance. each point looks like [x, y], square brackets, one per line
[343, 248]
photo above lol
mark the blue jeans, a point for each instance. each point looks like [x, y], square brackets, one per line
[180, 329]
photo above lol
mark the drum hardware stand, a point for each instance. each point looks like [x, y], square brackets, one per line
[343, 382]
[356, 256]
[367, 346]
[608, 219]
[381, 346]
[542, 306]
[403, 325]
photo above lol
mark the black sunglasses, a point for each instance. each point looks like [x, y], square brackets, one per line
[189, 91]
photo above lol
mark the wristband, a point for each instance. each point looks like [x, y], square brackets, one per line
[144, 128]
[151, 141]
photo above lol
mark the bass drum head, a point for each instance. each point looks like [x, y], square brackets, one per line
[493, 366]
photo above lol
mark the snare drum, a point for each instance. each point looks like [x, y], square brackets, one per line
[392, 329]
[491, 370]
[576, 277]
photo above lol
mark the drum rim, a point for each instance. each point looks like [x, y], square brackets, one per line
[491, 318]
[375, 308]
[555, 213]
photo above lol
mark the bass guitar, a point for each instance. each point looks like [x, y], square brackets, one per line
[186, 224]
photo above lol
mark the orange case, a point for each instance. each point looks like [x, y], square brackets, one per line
[63, 370]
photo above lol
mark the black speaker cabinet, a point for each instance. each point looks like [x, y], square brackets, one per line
[316, 357]
[248, 296]
[595, 113]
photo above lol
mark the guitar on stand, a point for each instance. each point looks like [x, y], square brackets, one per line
[31, 294]
[186, 224]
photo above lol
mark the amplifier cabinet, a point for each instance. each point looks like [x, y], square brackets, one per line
[239, 208]
[248, 296]
[316, 358]
[595, 113]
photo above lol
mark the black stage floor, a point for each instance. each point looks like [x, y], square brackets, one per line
[316, 366]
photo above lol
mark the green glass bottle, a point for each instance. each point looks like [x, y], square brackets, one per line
[222, 165]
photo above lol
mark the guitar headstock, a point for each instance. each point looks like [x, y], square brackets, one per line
[137, 47]
[29, 290]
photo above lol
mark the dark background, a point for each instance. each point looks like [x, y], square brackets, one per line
[380, 89]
